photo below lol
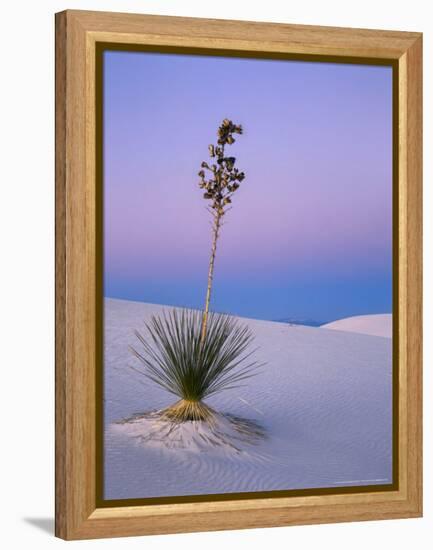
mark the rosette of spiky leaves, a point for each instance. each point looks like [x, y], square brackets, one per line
[221, 178]
[175, 357]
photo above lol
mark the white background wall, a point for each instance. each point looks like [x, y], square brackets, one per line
[27, 269]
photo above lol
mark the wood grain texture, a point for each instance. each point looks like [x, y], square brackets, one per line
[248, 35]
[75, 346]
[413, 290]
[60, 238]
[77, 33]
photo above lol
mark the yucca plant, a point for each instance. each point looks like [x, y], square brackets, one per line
[177, 359]
[195, 354]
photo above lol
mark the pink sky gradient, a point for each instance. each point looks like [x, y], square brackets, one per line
[310, 232]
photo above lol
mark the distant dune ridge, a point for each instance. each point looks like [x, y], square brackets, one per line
[324, 399]
[375, 325]
[303, 322]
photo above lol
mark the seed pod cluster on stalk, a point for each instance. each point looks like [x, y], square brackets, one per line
[221, 179]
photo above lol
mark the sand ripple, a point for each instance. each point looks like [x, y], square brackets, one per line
[323, 400]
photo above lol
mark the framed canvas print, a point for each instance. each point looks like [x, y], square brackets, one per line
[238, 274]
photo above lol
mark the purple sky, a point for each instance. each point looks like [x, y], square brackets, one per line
[310, 232]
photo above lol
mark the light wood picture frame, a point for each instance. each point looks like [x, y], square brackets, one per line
[80, 38]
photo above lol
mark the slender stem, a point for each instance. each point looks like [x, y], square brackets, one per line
[215, 230]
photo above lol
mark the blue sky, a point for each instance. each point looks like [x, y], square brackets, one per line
[310, 231]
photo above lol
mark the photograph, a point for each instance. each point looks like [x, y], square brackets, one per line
[247, 280]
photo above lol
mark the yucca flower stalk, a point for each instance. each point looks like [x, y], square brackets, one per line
[195, 354]
[220, 183]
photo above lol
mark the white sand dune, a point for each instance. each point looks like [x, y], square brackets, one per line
[323, 398]
[375, 325]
